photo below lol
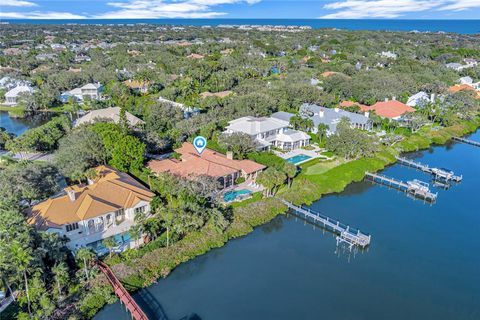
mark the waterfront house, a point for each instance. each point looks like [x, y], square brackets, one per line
[268, 132]
[209, 163]
[11, 97]
[331, 117]
[89, 91]
[392, 109]
[109, 114]
[86, 214]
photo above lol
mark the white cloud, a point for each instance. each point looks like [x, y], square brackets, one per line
[459, 5]
[40, 15]
[145, 9]
[354, 9]
[17, 3]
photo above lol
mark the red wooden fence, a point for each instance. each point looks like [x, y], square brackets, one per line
[135, 310]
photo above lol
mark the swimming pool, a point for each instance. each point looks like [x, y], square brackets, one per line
[298, 158]
[232, 195]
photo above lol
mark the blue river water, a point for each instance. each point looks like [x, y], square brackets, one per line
[18, 126]
[423, 262]
[457, 26]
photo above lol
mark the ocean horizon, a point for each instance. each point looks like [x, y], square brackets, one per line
[431, 25]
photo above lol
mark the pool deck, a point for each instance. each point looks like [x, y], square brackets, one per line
[313, 154]
[244, 186]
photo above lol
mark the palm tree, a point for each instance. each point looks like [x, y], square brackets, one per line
[22, 258]
[109, 243]
[291, 171]
[322, 131]
[60, 272]
[86, 255]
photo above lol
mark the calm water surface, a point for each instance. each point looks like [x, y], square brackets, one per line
[458, 26]
[20, 125]
[423, 262]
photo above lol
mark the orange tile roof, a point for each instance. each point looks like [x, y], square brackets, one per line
[110, 191]
[210, 163]
[346, 104]
[327, 74]
[390, 108]
[461, 87]
[195, 56]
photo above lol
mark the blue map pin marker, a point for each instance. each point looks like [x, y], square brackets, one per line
[199, 143]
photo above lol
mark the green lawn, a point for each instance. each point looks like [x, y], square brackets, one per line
[318, 167]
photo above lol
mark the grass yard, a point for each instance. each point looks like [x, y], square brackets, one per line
[319, 166]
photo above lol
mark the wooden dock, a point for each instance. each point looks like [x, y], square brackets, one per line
[438, 173]
[402, 186]
[125, 298]
[467, 141]
[345, 234]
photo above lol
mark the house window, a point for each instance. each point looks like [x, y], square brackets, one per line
[109, 220]
[140, 210]
[91, 226]
[120, 214]
[71, 227]
[100, 224]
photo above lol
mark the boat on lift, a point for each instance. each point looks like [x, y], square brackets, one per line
[418, 185]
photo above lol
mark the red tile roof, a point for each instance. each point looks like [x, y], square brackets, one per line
[346, 104]
[390, 109]
[210, 163]
[461, 87]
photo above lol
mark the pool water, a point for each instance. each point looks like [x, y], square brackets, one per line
[298, 158]
[232, 195]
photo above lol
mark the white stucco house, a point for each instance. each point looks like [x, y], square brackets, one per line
[89, 91]
[269, 132]
[87, 214]
[420, 99]
[11, 97]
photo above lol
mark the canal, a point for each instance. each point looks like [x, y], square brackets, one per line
[423, 262]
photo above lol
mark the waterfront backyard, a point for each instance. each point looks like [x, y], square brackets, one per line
[430, 274]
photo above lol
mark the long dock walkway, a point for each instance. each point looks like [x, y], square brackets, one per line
[125, 297]
[402, 186]
[437, 172]
[467, 141]
[345, 234]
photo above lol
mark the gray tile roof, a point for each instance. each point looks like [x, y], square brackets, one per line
[330, 117]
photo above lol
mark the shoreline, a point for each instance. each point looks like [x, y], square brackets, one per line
[158, 263]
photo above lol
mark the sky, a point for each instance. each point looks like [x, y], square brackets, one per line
[248, 9]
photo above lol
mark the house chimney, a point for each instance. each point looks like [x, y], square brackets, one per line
[386, 99]
[394, 98]
[321, 113]
[367, 114]
[71, 194]
[230, 155]
[336, 109]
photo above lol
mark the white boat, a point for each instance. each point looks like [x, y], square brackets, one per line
[443, 173]
[419, 185]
